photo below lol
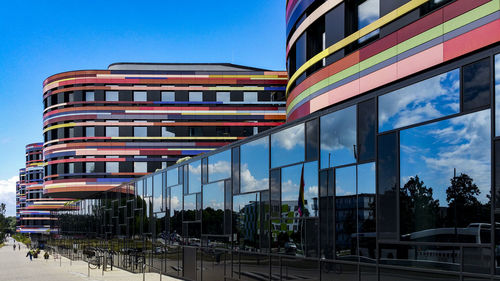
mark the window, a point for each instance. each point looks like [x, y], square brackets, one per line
[112, 132]
[248, 232]
[213, 208]
[219, 166]
[112, 167]
[71, 97]
[426, 100]
[71, 168]
[111, 95]
[167, 96]
[194, 177]
[89, 167]
[250, 96]
[90, 131]
[254, 169]
[140, 131]
[167, 131]
[287, 146]
[442, 171]
[338, 137]
[294, 202]
[497, 95]
[476, 84]
[223, 97]
[140, 167]
[89, 96]
[140, 96]
[368, 12]
[195, 96]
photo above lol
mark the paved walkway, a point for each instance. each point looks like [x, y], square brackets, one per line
[15, 266]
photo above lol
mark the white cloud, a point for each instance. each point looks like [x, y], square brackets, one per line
[419, 102]
[289, 138]
[250, 183]
[8, 194]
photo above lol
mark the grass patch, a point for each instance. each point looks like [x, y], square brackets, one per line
[1, 245]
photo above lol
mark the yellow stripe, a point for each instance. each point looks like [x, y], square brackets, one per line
[59, 126]
[355, 36]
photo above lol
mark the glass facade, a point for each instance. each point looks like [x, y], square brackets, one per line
[330, 196]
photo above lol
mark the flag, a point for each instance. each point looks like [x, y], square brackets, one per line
[301, 202]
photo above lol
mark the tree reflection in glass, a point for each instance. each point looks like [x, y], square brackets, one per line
[254, 165]
[445, 180]
[287, 146]
[175, 213]
[338, 137]
[213, 208]
[426, 100]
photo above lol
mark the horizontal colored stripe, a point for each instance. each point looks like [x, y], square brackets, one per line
[481, 13]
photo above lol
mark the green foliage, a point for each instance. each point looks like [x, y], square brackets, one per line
[23, 238]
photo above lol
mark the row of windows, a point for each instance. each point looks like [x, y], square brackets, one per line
[165, 96]
[343, 20]
[32, 156]
[153, 131]
[106, 167]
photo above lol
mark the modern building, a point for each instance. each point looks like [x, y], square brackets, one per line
[105, 127]
[391, 151]
[34, 213]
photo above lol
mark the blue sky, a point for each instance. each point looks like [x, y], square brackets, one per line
[41, 38]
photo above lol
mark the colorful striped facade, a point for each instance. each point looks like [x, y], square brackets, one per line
[403, 41]
[35, 213]
[105, 127]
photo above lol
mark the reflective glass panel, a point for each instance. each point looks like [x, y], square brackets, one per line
[140, 96]
[148, 187]
[476, 84]
[176, 212]
[190, 209]
[366, 212]
[287, 146]
[219, 166]
[246, 220]
[298, 201]
[111, 95]
[213, 208]
[112, 132]
[195, 177]
[254, 167]
[445, 179]
[172, 177]
[158, 193]
[140, 131]
[426, 100]
[167, 96]
[296, 236]
[497, 95]
[345, 212]
[368, 12]
[338, 137]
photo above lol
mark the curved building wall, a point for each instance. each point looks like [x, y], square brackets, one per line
[337, 50]
[105, 127]
[35, 213]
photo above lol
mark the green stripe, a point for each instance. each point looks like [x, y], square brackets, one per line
[402, 47]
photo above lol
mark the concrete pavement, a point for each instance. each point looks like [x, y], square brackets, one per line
[15, 266]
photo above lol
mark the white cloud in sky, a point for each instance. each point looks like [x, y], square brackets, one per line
[8, 194]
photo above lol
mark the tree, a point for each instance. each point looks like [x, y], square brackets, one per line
[419, 210]
[464, 207]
